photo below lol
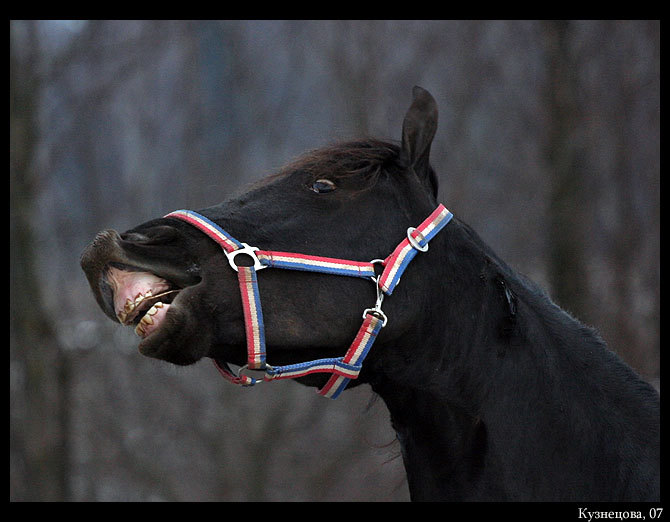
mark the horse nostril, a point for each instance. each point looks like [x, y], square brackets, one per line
[101, 247]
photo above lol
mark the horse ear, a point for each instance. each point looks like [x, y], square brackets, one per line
[418, 131]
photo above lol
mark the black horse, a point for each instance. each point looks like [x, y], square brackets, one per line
[494, 392]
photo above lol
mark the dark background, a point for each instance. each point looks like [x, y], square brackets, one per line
[548, 145]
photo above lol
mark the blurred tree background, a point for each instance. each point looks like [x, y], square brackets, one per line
[548, 145]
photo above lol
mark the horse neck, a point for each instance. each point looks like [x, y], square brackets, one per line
[493, 363]
[447, 382]
[427, 377]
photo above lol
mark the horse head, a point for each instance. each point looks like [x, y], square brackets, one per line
[351, 201]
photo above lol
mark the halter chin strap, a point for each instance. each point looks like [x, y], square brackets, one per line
[345, 368]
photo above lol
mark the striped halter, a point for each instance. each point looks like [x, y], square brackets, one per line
[345, 368]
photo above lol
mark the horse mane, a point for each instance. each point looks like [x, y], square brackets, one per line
[366, 158]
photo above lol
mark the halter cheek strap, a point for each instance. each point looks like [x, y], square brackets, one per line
[345, 368]
[416, 241]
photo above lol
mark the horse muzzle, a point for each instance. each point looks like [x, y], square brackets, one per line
[128, 288]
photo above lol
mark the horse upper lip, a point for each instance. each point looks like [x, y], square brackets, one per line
[95, 260]
[120, 280]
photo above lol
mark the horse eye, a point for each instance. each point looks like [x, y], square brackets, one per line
[321, 186]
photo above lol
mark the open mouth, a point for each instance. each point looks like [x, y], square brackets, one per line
[140, 298]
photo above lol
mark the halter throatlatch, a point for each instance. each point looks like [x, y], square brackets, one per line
[345, 368]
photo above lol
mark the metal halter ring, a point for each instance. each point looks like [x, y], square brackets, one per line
[248, 250]
[242, 369]
[415, 244]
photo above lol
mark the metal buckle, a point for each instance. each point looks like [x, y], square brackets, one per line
[412, 241]
[245, 368]
[248, 250]
[377, 313]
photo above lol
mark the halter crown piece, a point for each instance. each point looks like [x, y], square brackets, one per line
[345, 368]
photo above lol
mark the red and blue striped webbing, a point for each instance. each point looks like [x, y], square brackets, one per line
[254, 329]
[343, 369]
[214, 231]
[253, 317]
[326, 265]
[355, 355]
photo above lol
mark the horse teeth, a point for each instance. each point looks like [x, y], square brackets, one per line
[155, 307]
[132, 305]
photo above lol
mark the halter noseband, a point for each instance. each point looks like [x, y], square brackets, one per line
[343, 368]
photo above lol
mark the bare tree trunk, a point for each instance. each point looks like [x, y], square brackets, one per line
[566, 243]
[38, 372]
